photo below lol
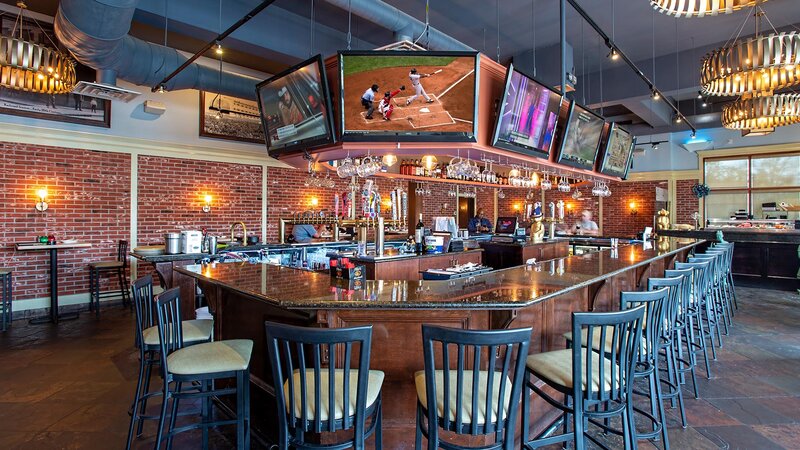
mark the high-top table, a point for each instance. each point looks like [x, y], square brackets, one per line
[53, 249]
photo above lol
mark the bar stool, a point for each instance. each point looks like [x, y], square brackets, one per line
[701, 311]
[588, 378]
[685, 329]
[728, 246]
[5, 300]
[147, 340]
[715, 287]
[339, 397]
[720, 283]
[97, 269]
[198, 366]
[478, 396]
[670, 339]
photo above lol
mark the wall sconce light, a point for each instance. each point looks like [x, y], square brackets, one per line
[632, 207]
[517, 207]
[41, 194]
[207, 206]
[389, 160]
[314, 202]
[429, 161]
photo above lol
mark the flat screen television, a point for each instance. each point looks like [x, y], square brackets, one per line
[581, 139]
[617, 156]
[505, 225]
[408, 96]
[526, 122]
[296, 109]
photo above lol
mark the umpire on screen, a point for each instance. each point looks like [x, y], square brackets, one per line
[368, 100]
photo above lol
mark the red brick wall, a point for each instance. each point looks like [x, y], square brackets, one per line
[89, 199]
[617, 217]
[513, 203]
[686, 203]
[485, 200]
[171, 197]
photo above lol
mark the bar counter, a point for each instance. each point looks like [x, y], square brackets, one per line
[761, 257]
[243, 295]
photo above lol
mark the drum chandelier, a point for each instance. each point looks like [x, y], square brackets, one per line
[32, 67]
[762, 114]
[701, 8]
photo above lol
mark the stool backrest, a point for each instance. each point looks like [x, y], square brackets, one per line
[673, 303]
[489, 360]
[728, 247]
[711, 273]
[684, 292]
[615, 365]
[122, 252]
[656, 307]
[699, 270]
[298, 354]
[170, 329]
[143, 302]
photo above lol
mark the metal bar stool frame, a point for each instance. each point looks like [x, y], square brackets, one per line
[170, 334]
[95, 272]
[5, 300]
[698, 308]
[685, 329]
[626, 330]
[286, 364]
[499, 418]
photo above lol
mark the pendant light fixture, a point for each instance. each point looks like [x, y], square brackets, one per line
[701, 8]
[33, 67]
[760, 115]
[758, 65]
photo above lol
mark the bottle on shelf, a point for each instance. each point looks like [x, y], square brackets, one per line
[419, 235]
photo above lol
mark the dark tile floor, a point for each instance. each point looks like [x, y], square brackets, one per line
[70, 386]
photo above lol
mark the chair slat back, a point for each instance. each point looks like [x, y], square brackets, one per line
[494, 361]
[685, 291]
[298, 358]
[613, 368]
[122, 252]
[673, 305]
[143, 302]
[699, 279]
[170, 331]
[656, 304]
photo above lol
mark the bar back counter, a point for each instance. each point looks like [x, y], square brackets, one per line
[543, 296]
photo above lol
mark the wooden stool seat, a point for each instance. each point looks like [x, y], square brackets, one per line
[466, 399]
[211, 357]
[193, 331]
[374, 384]
[101, 265]
[4, 271]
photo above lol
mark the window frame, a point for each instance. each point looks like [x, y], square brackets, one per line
[749, 189]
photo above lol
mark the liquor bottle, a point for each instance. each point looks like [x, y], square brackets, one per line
[419, 234]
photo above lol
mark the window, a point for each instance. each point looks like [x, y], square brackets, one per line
[754, 184]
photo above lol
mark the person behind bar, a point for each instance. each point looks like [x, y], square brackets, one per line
[586, 225]
[304, 233]
[479, 223]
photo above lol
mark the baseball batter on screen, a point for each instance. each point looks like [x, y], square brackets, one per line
[414, 77]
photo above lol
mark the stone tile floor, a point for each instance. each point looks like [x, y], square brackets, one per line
[70, 386]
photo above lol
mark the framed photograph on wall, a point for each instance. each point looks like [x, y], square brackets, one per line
[226, 117]
[69, 107]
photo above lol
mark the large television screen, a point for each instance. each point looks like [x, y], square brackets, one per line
[618, 152]
[581, 138]
[295, 108]
[528, 115]
[408, 96]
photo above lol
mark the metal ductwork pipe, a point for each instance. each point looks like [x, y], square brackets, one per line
[404, 26]
[96, 33]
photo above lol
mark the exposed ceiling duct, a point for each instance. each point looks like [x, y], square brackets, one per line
[404, 26]
[96, 33]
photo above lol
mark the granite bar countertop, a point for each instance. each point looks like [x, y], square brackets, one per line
[400, 256]
[739, 234]
[502, 289]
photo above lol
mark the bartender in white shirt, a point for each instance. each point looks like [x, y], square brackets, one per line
[586, 225]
